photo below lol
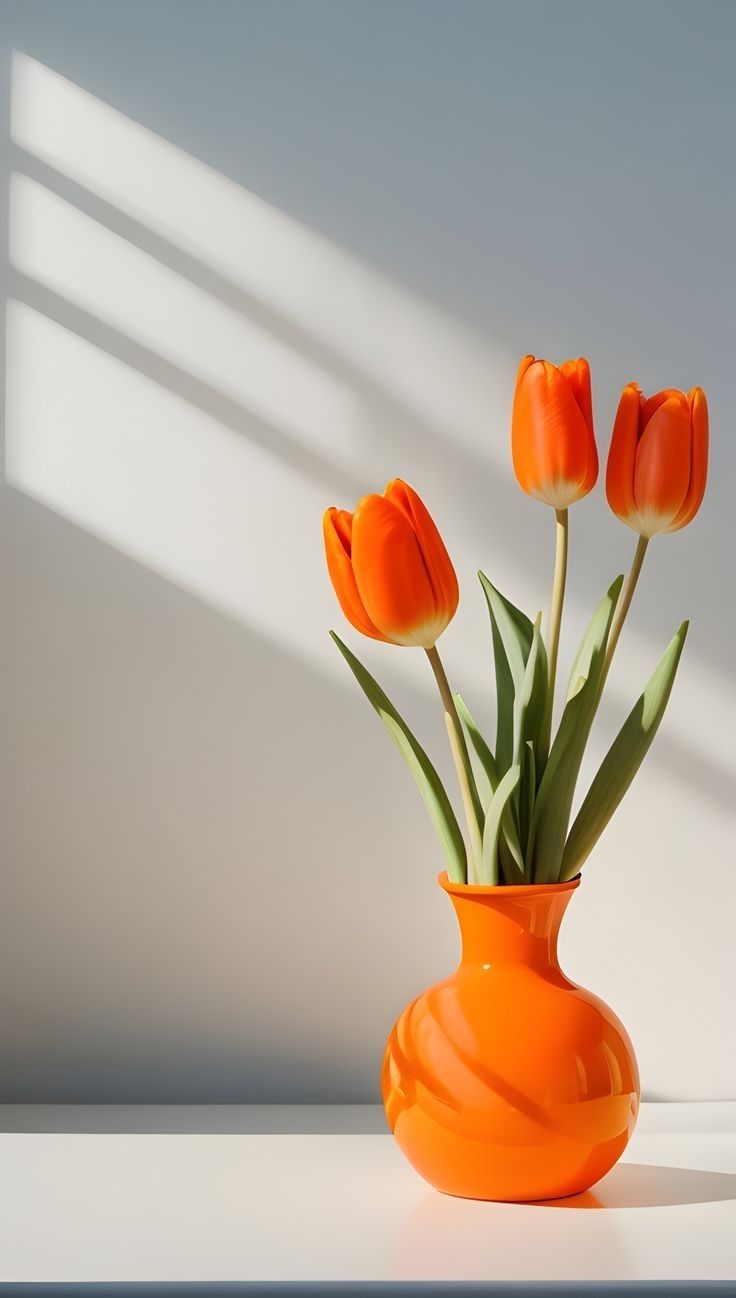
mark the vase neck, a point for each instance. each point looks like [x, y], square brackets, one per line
[520, 928]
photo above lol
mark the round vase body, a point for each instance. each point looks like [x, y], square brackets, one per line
[506, 1080]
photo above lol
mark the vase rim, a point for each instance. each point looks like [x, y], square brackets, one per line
[504, 889]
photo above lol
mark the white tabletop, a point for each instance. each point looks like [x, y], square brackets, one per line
[277, 1195]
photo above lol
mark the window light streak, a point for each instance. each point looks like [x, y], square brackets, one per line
[438, 369]
[162, 482]
[58, 246]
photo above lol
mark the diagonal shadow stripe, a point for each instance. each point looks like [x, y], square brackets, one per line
[195, 391]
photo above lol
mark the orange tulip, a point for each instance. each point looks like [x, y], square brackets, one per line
[392, 574]
[552, 439]
[658, 461]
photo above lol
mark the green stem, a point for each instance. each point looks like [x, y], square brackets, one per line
[624, 602]
[461, 758]
[555, 620]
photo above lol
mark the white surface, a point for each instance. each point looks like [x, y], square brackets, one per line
[264, 1207]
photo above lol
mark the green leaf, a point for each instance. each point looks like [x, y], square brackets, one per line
[511, 871]
[527, 698]
[623, 759]
[527, 791]
[481, 750]
[428, 781]
[512, 857]
[512, 641]
[557, 787]
[529, 713]
[490, 869]
[531, 697]
[471, 802]
[591, 644]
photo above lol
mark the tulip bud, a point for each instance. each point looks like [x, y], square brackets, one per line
[391, 572]
[552, 439]
[658, 461]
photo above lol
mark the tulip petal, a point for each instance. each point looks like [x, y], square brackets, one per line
[550, 438]
[622, 456]
[651, 404]
[391, 575]
[524, 364]
[577, 373]
[699, 460]
[337, 529]
[662, 473]
[436, 559]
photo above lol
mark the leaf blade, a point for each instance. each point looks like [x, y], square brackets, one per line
[590, 646]
[511, 855]
[492, 829]
[512, 634]
[623, 759]
[531, 695]
[479, 746]
[428, 781]
[527, 791]
[551, 817]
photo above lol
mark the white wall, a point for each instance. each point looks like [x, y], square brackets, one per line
[264, 257]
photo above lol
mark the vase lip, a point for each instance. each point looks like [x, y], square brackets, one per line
[471, 890]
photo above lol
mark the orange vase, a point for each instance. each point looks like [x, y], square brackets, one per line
[506, 1080]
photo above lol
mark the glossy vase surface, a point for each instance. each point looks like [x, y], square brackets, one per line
[506, 1080]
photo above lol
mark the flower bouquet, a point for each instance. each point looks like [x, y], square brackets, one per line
[506, 1080]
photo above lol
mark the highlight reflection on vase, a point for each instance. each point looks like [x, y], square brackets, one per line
[506, 1080]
